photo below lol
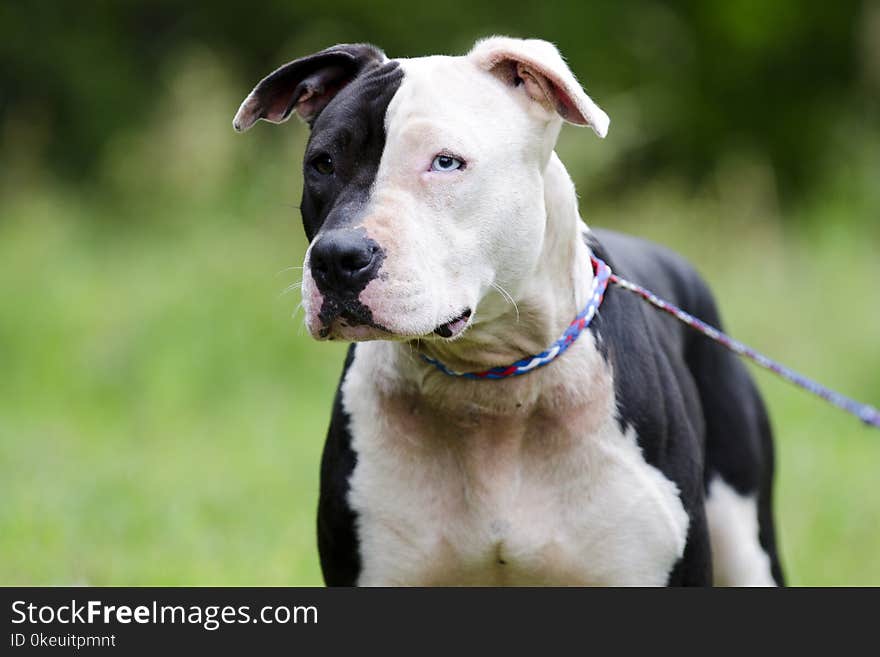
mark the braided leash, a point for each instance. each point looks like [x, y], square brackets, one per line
[866, 413]
[603, 275]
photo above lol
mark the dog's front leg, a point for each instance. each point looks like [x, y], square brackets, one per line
[695, 566]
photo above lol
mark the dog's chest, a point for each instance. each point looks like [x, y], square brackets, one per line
[471, 498]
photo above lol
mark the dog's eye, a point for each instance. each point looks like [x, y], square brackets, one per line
[446, 163]
[323, 164]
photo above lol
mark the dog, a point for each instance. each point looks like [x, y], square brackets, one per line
[445, 240]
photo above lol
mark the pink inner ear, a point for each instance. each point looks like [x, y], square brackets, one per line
[544, 88]
[566, 107]
[314, 100]
[564, 103]
[308, 98]
[278, 108]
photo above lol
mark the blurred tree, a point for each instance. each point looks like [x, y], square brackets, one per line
[706, 77]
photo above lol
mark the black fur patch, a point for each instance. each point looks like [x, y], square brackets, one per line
[337, 535]
[351, 131]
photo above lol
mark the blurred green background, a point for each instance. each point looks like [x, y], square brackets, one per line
[162, 410]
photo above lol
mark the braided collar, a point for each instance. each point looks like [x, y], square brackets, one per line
[602, 273]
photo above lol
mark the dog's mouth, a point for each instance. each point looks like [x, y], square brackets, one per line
[354, 321]
[454, 326]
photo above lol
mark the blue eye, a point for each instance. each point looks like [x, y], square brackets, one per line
[444, 163]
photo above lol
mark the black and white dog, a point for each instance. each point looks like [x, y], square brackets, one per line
[443, 225]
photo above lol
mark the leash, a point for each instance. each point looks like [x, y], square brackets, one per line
[865, 412]
[602, 276]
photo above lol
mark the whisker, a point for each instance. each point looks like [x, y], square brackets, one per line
[291, 288]
[300, 326]
[286, 269]
[507, 297]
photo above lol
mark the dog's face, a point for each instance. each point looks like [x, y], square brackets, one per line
[423, 180]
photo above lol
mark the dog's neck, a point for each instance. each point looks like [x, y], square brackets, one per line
[506, 331]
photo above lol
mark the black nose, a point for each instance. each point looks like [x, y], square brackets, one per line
[343, 262]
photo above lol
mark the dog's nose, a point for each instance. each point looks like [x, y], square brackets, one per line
[344, 262]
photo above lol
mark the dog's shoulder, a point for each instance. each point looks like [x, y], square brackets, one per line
[654, 391]
[645, 347]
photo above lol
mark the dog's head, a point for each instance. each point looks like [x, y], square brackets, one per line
[423, 179]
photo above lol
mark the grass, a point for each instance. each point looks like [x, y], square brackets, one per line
[162, 415]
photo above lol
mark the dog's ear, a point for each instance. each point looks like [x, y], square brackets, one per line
[306, 85]
[538, 69]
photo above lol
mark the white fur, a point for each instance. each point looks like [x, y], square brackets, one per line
[484, 489]
[737, 556]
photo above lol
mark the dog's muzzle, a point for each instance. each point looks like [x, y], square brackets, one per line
[342, 263]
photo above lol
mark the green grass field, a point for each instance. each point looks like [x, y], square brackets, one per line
[162, 411]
